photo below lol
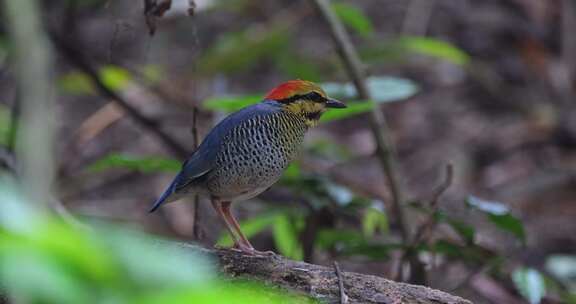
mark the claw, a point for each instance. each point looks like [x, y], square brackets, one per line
[240, 248]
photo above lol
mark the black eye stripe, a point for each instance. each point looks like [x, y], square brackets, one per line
[313, 96]
[316, 97]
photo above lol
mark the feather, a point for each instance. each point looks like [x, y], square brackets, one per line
[203, 159]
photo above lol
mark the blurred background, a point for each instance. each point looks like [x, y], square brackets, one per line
[479, 102]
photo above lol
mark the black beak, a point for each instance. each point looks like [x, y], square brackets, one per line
[333, 103]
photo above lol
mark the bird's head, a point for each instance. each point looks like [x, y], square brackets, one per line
[303, 98]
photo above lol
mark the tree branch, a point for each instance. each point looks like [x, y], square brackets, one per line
[378, 124]
[76, 58]
[321, 282]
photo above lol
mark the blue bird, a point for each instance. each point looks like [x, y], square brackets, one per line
[248, 151]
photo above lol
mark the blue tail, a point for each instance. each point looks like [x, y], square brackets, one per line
[169, 191]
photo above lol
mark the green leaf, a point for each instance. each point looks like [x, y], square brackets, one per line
[250, 227]
[230, 104]
[353, 243]
[30, 275]
[5, 125]
[499, 214]
[141, 164]
[293, 171]
[328, 238]
[510, 223]
[115, 77]
[563, 267]
[160, 263]
[383, 89]
[530, 283]
[286, 237]
[486, 206]
[78, 83]
[352, 109]
[376, 252]
[354, 18]
[467, 232]
[435, 48]
[152, 73]
[374, 220]
[469, 252]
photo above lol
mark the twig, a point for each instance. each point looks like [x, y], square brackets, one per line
[196, 228]
[417, 17]
[191, 8]
[343, 295]
[378, 124]
[195, 202]
[568, 39]
[77, 59]
[424, 232]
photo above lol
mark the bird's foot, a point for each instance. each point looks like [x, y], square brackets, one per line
[249, 250]
[264, 253]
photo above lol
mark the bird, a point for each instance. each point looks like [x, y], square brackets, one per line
[247, 152]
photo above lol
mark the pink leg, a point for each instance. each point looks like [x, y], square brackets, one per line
[235, 226]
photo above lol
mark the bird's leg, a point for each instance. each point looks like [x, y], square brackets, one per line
[230, 219]
[217, 205]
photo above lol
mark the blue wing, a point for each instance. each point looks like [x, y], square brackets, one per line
[203, 159]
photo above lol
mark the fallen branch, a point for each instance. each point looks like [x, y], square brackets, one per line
[322, 283]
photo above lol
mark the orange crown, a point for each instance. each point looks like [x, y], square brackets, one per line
[291, 88]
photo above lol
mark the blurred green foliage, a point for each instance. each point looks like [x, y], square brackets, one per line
[374, 220]
[531, 284]
[113, 77]
[500, 215]
[230, 104]
[401, 49]
[354, 18]
[286, 232]
[78, 83]
[563, 267]
[6, 131]
[46, 260]
[251, 227]
[434, 47]
[135, 163]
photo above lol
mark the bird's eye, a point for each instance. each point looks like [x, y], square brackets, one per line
[316, 97]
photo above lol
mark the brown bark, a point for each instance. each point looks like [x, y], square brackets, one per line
[321, 282]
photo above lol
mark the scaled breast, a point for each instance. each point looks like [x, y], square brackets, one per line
[254, 154]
